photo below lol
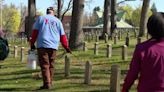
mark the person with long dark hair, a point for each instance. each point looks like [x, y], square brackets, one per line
[147, 64]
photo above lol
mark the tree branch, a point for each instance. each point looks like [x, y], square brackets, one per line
[67, 9]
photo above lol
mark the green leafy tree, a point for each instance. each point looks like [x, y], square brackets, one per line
[128, 13]
[11, 19]
[136, 17]
[136, 14]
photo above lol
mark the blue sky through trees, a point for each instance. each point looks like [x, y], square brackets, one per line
[43, 4]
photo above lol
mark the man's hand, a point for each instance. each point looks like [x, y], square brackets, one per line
[33, 47]
[68, 50]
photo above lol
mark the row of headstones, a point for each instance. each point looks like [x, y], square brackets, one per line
[20, 40]
[115, 70]
[114, 78]
[117, 36]
[108, 54]
[109, 49]
[15, 52]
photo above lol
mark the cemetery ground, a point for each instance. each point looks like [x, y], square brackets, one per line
[15, 76]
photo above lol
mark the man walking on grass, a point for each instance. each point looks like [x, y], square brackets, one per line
[48, 31]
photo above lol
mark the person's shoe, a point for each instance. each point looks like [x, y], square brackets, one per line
[45, 87]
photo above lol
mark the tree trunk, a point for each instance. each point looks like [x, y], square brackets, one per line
[144, 17]
[113, 16]
[59, 9]
[106, 18]
[76, 33]
[30, 19]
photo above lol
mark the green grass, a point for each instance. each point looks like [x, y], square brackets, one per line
[15, 76]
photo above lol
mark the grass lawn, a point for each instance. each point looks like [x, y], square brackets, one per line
[15, 76]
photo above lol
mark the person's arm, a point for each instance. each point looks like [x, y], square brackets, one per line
[132, 74]
[34, 34]
[63, 38]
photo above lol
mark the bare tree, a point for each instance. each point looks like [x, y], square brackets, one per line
[144, 17]
[30, 19]
[113, 16]
[69, 7]
[76, 34]
[60, 8]
[106, 18]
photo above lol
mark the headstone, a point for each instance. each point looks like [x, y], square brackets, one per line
[124, 52]
[9, 48]
[89, 37]
[15, 51]
[106, 38]
[127, 40]
[88, 73]
[115, 79]
[96, 48]
[85, 46]
[97, 38]
[115, 39]
[119, 35]
[109, 50]
[22, 54]
[67, 66]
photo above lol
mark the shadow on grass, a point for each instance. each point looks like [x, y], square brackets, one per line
[83, 87]
[16, 89]
[11, 65]
[99, 91]
[10, 89]
[66, 86]
[19, 72]
[16, 78]
[58, 77]
[101, 63]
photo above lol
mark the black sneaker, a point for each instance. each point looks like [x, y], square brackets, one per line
[45, 87]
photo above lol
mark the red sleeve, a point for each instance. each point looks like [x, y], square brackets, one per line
[133, 72]
[34, 36]
[63, 40]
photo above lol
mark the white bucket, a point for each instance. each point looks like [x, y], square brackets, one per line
[32, 59]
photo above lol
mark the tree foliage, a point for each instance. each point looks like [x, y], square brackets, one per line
[136, 14]
[11, 18]
[128, 13]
